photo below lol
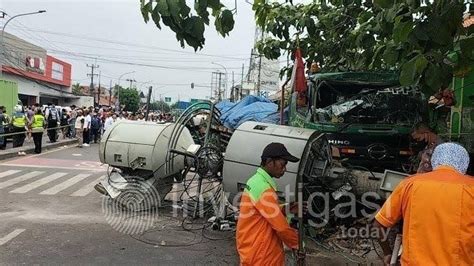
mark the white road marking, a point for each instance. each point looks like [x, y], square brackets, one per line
[9, 172]
[10, 236]
[87, 188]
[65, 184]
[19, 179]
[50, 151]
[38, 183]
[98, 169]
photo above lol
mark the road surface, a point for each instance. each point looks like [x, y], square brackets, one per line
[50, 214]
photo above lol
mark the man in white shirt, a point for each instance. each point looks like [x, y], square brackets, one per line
[87, 128]
[109, 121]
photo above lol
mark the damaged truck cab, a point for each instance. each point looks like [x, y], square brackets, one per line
[367, 117]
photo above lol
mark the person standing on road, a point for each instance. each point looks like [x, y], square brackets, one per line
[109, 121]
[87, 127]
[52, 115]
[3, 124]
[79, 127]
[72, 121]
[19, 123]
[29, 116]
[64, 123]
[262, 227]
[436, 208]
[37, 127]
[95, 128]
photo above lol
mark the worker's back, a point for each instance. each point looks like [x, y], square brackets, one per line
[438, 215]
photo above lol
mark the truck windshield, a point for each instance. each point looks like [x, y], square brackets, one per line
[396, 105]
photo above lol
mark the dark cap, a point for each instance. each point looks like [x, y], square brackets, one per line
[278, 150]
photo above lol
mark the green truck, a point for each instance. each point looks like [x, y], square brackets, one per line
[9, 95]
[368, 117]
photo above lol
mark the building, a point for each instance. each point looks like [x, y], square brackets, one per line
[106, 97]
[41, 78]
[264, 74]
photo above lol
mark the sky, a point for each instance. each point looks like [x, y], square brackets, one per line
[113, 35]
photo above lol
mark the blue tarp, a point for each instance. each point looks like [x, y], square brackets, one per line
[251, 108]
[224, 106]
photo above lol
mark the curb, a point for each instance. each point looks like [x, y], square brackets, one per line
[30, 150]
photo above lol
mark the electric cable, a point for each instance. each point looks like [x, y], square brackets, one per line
[129, 44]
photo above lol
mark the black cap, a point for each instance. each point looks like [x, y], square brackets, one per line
[278, 150]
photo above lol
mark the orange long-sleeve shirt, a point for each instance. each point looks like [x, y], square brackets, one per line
[262, 228]
[438, 217]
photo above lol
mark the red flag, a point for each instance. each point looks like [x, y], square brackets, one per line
[298, 76]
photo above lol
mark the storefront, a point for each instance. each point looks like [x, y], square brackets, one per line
[41, 78]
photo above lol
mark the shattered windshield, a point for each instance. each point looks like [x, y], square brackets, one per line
[399, 105]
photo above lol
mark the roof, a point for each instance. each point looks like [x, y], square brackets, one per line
[106, 99]
[376, 78]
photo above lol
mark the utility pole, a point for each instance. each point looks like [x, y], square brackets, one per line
[232, 89]
[241, 82]
[219, 92]
[98, 94]
[259, 73]
[216, 84]
[91, 88]
[131, 82]
[242, 78]
[148, 103]
[110, 93]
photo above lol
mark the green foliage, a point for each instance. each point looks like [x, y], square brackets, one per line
[130, 99]
[414, 37]
[76, 89]
[188, 26]
[174, 106]
[160, 106]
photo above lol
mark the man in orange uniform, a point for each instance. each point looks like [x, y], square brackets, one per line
[437, 212]
[262, 227]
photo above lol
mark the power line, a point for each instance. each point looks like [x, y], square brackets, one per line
[128, 44]
[91, 88]
[100, 58]
[181, 68]
[152, 56]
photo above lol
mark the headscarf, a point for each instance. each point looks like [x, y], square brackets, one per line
[451, 154]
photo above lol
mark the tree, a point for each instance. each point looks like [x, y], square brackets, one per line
[415, 38]
[174, 106]
[188, 26]
[423, 41]
[160, 105]
[76, 89]
[129, 98]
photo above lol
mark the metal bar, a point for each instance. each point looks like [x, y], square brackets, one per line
[23, 132]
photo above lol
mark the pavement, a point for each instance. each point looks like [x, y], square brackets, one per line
[29, 147]
[50, 214]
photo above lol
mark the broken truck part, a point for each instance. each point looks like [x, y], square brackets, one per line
[155, 156]
[137, 153]
[368, 117]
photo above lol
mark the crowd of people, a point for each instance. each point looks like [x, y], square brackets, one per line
[87, 124]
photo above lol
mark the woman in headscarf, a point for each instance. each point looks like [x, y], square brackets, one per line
[452, 155]
[436, 207]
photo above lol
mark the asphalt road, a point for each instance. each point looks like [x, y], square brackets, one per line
[50, 214]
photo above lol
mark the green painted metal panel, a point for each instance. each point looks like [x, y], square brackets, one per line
[8, 95]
